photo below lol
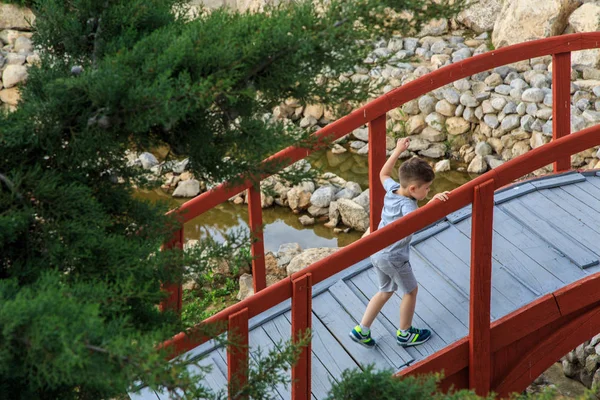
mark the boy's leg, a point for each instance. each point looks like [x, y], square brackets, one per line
[407, 308]
[374, 307]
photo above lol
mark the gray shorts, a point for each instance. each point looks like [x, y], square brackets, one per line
[393, 274]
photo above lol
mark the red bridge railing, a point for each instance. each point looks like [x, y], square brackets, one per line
[479, 192]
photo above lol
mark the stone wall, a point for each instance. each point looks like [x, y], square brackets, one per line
[16, 52]
[583, 363]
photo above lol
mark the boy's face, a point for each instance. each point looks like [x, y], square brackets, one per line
[419, 191]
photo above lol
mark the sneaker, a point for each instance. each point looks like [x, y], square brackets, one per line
[357, 335]
[413, 337]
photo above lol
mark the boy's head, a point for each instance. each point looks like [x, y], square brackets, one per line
[416, 176]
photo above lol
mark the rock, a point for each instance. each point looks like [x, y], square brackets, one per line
[353, 215]
[480, 15]
[418, 144]
[323, 196]
[538, 139]
[595, 379]
[520, 148]
[591, 363]
[286, 253]
[315, 211]
[442, 166]
[148, 160]
[308, 257]
[337, 149]
[188, 188]
[457, 125]
[415, 124]
[314, 110]
[569, 369]
[444, 108]
[491, 120]
[271, 265]
[493, 162]
[432, 135]
[357, 145]
[483, 149]
[16, 17]
[524, 20]
[435, 27]
[305, 220]
[510, 122]
[246, 287]
[468, 100]
[361, 134]
[10, 96]
[586, 19]
[591, 116]
[362, 200]
[13, 75]
[498, 103]
[266, 201]
[437, 150]
[477, 165]
[363, 151]
[427, 104]
[23, 45]
[334, 215]
[298, 199]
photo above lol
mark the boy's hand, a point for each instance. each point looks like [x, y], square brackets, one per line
[440, 196]
[402, 145]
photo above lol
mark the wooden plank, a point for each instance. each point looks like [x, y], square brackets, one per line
[377, 151]
[385, 341]
[279, 330]
[512, 291]
[539, 226]
[536, 248]
[579, 209]
[563, 221]
[587, 193]
[480, 355]
[260, 339]
[215, 380]
[561, 180]
[459, 215]
[513, 192]
[561, 103]
[429, 232]
[451, 359]
[454, 264]
[517, 263]
[328, 350]
[455, 302]
[339, 323]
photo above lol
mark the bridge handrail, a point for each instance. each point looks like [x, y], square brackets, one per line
[479, 192]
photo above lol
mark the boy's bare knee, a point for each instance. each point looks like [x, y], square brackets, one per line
[386, 295]
[414, 291]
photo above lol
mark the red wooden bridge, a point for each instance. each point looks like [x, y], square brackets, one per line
[531, 287]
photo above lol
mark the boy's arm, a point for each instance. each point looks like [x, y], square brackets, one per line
[388, 167]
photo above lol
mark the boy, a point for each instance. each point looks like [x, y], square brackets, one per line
[392, 263]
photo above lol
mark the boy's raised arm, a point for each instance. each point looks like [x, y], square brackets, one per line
[388, 167]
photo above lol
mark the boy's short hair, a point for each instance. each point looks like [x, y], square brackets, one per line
[415, 171]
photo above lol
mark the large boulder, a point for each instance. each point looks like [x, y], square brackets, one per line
[13, 75]
[586, 19]
[524, 20]
[286, 253]
[308, 257]
[353, 215]
[480, 15]
[189, 188]
[15, 17]
[323, 196]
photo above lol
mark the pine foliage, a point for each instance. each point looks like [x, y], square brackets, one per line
[80, 269]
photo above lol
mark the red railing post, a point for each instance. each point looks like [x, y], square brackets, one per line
[174, 301]
[377, 150]
[259, 277]
[301, 322]
[480, 356]
[561, 104]
[237, 352]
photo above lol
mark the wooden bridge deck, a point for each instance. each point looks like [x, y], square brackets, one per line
[546, 235]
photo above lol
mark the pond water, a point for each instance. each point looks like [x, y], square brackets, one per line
[281, 225]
